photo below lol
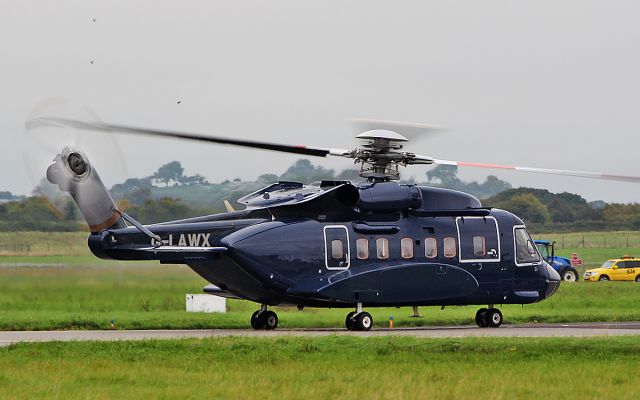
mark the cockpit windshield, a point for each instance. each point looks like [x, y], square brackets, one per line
[543, 250]
[526, 252]
[608, 264]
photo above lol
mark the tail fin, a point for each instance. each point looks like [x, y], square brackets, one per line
[73, 173]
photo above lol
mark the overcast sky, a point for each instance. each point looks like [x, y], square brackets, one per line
[539, 83]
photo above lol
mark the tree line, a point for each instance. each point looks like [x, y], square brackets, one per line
[169, 194]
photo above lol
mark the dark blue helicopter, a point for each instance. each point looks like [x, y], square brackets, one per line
[335, 244]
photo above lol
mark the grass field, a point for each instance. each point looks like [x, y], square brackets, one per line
[36, 244]
[58, 284]
[322, 368]
[153, 296]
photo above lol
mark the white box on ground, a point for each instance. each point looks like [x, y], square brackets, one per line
[206, 303]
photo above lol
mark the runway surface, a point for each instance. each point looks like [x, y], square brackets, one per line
[524, 330]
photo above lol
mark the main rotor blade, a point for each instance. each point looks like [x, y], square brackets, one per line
[414, 131]
[306, 150]
[581, 174]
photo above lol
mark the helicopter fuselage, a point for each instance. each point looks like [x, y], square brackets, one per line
[445, 251]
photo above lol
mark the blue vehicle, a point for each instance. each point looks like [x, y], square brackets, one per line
[561, 264]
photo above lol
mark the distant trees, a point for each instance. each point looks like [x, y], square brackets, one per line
[37, 213]
[305, 172]
[446, 176]
[168, 173]
[169, 194]
[565, 211]
[163, 209]
[173, 173]
[526, 206]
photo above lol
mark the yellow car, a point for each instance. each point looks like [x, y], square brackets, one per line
[617, 269]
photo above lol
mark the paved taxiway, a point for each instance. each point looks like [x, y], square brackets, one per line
[524, 330]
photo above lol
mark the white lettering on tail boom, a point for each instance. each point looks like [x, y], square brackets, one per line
[188, 240]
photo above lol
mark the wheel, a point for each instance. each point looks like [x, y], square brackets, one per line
[349, 322]
[363, 321]
[270, 320]
[494, 318]
[257, 320]
[569, 275]
[637, 278]
[481, 318]
[603, 278]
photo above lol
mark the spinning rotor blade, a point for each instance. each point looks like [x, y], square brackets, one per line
[43, 140]
[96, 126]
[413, 131]
[581, 174]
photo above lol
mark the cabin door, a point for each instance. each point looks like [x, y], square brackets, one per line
[336, 247]
[479, 240]
[479, 249]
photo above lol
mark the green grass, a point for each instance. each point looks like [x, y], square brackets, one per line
[73, 289]
[44, 244]
[322, 368]
[143, 296]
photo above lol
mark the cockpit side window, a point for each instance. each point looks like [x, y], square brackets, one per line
[526, 252]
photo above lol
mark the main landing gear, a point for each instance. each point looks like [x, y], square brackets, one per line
[264, 319]
[489, 317]
[358, 320]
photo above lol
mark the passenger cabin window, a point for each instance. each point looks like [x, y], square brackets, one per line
[430, 248]
[382, 248]
[406, 248]
[526, 252]
[362, 249]
[449, 244]
[337, 250]
[479, 249]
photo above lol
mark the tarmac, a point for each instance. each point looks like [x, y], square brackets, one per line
[521, 330]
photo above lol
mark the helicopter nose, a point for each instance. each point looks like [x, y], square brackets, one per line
[553, 281]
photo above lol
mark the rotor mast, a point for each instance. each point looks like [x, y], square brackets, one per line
[381, 157]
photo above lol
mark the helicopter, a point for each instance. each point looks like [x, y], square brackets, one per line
[338, 244]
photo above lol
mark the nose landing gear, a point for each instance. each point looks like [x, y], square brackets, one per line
[264, 319]
[489, 317]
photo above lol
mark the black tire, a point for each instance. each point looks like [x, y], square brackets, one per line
[364, 321]
[270, 320]
[569, 275]
[603, 278]
[637, 278]
[349, 321]
[481, 318]
[257, 320]
[494, 318]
